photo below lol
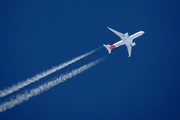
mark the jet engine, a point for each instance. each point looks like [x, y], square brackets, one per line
[133, 44]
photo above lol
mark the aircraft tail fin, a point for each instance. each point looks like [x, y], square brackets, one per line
[107, 47]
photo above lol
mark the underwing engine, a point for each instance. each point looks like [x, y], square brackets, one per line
[133, 44]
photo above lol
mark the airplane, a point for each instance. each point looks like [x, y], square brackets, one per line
[126, 40]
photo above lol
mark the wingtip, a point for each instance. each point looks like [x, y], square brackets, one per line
[108, 27]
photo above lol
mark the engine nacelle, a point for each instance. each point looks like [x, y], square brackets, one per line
[126, 35]
[133, 44]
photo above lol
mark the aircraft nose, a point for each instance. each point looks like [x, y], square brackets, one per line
[142, 32]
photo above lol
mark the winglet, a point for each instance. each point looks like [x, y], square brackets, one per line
[107, 47]
[108, 27]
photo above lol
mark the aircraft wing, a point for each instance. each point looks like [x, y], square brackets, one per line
[117, 33]
[129, 48]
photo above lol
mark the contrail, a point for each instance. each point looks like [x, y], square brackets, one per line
[33, 92]
[22, 84]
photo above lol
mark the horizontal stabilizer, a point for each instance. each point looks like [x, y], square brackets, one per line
[107, 47]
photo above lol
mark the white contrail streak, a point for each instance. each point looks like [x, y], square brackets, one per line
[22, 84]
[33, 92]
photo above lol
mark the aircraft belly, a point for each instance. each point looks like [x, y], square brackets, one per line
[119, 43]
[135, 35]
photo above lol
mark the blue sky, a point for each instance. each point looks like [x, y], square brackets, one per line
[37, 35]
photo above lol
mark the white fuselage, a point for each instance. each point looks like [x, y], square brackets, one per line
[127, 40]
